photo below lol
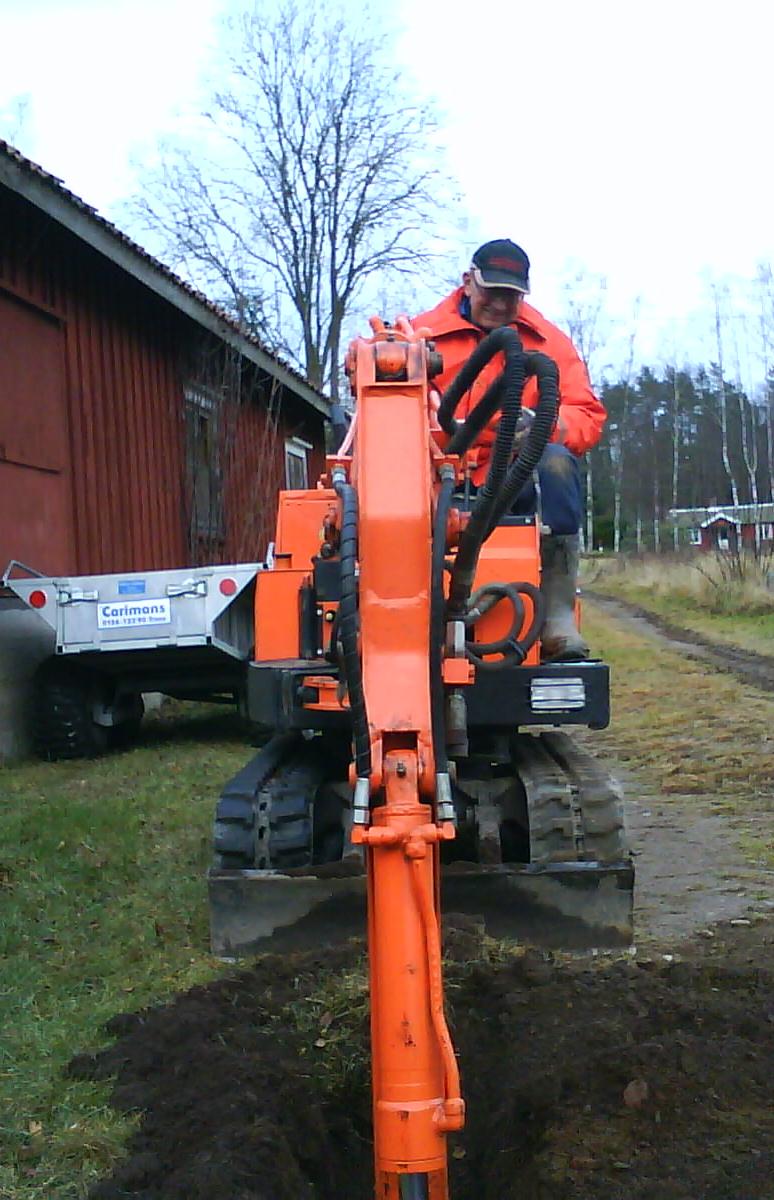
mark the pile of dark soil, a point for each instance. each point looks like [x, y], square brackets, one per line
[595, 1078]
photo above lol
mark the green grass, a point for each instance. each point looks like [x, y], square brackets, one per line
[104, 910]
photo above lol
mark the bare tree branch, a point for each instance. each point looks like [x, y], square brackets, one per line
[316, 176]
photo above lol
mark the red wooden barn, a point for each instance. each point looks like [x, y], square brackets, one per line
[139, 428]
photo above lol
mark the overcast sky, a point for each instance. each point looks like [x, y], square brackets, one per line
[630, 136]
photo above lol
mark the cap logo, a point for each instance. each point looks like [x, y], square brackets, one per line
[506, 263]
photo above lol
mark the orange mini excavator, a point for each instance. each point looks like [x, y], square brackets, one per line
[397, 673]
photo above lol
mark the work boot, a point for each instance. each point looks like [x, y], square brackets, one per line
[561, 639]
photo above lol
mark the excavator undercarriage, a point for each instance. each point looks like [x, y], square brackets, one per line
[540, 852]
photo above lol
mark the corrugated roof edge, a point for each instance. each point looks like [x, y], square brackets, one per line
[49, 193]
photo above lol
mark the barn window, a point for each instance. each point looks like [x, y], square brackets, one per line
[203, 461]
[767, 531]
[296, 466]
[723, 541]
[694, 537]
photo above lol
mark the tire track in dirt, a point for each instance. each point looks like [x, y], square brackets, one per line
[690, 873]
[757, 669]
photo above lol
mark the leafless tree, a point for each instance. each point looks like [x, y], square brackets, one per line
[765, 286]
[618, 441]
[586, 322]
[747, 414]
[676, 406]
[14, 119]
[584, 312]
[315, 174]
[655, 483]
[723, 397]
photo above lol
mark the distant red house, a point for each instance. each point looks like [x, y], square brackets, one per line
[726, 527]
[139, 427]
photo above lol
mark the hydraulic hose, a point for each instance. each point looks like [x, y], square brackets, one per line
[497, 340]
[438, 620]
[469, 430]
[547, 375]
[348, 624]
[479, 524]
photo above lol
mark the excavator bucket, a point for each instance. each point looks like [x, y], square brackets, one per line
[563, 906]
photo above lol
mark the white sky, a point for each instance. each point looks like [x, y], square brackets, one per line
[630, 136]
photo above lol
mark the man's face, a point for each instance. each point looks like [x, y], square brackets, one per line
[490, 307]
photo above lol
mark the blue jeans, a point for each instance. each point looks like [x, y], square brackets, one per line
[561, 498]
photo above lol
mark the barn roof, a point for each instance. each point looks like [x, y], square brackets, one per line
[738, 514]
[48, 193]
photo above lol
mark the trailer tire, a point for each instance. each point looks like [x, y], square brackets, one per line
[63, 726]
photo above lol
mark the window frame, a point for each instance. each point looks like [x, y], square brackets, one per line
[207, 519]
[297, 451]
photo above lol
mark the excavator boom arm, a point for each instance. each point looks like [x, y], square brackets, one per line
[394, 469]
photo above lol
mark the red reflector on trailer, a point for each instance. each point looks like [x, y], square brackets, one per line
[38, 598]
[228, 587]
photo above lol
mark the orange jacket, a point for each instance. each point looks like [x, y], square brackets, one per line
[581, 415]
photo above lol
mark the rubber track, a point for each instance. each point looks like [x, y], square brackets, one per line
[265, 816]
[551, 833]
[600, 796]
[575, 808]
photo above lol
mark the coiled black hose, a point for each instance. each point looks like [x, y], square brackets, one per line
[348, 626]
[546, 372]
[479, 524]
[438, 620]
[512, 648]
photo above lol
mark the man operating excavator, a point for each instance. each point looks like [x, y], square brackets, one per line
[491, 295]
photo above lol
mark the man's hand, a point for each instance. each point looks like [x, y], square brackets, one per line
[525, 423]
[523, 426]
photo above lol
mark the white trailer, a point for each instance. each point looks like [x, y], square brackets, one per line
[187, 633]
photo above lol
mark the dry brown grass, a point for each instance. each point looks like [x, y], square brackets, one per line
[728, 600]
[713, 583]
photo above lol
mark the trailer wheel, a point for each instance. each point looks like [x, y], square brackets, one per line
[63, 724]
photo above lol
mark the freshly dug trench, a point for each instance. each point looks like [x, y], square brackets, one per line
[596, 1078]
